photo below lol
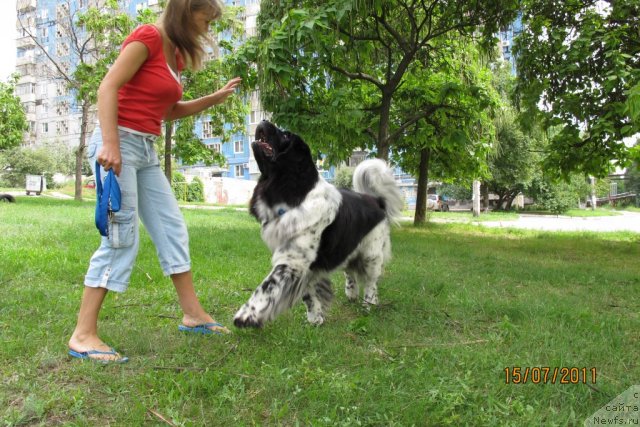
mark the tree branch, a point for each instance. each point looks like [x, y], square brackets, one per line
[44, 50]
[357, 76]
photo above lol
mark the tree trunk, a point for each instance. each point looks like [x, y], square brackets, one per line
[484, 189]
[423, 182]
[82, 144]
[476, 198]
[511, 196]
[168, 135]
[383, 130]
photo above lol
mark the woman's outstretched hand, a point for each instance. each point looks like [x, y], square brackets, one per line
[221, 95]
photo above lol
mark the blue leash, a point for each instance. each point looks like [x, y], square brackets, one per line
[107, 199]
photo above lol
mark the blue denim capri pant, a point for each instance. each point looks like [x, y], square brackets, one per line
[146, 194]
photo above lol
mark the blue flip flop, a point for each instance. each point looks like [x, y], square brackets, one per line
[201, 329]
[86, 355]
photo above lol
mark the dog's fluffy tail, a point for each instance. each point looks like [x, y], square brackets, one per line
[373, 177]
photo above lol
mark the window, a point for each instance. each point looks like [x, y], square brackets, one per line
[61, 128]
[61, 88]
[239, 170]
[238, 147]
[216, 147]
[62, 108]
[257, 116]
[26, 89]
[207, 130]
[44, 127]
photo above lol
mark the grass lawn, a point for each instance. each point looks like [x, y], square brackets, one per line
[459, 305]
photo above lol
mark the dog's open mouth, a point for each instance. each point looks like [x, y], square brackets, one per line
[264, 146]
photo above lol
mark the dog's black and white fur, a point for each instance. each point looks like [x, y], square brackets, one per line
[312, 228]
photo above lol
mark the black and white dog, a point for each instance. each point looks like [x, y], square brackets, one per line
[313, 228]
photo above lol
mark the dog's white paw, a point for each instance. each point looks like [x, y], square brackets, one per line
[351, 289]
[247, 317]
[315, 319]
[370, 299]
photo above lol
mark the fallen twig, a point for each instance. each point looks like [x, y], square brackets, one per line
[439, 344]
[160, 417]
[167, 316]
[178, 368]
[594, 388]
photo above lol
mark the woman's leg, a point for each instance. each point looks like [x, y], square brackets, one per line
[111, 265]
[165, 224]
[85, 336]
[193, 313]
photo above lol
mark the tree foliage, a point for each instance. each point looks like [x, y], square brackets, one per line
[13, 120]
[17, 162]
[517, 152]
[333, 70]
[386, 76]
[579, 60]
[223, 120]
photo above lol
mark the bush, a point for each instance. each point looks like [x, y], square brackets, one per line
[344, 177]
[559, 198]
[179, 186]
[195, 191]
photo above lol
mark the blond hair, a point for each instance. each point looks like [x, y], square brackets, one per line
[177, 21]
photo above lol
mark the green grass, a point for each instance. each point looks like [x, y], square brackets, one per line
[459, 304]
[584, 213]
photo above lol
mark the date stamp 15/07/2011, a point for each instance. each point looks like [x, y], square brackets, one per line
[549, 375]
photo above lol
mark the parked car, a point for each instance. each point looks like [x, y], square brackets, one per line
[90, 183]
[437, 203]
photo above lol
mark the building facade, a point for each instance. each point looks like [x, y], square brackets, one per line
[51, 111]
[45, 52]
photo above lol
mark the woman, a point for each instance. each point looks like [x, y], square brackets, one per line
[141, 89]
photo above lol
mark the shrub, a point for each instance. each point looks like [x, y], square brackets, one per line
[179, 186]
[344, 177]
[559, 198]
[195, 191]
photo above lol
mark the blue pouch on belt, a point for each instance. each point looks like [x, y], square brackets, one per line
[107, 199]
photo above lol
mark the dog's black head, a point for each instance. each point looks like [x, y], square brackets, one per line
[288, 171]
[278, 151]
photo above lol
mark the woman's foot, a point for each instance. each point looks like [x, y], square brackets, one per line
[93, 348]
[204, 319]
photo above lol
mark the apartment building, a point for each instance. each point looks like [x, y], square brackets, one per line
[43, 38]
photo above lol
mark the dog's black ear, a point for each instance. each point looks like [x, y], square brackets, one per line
[302, 154]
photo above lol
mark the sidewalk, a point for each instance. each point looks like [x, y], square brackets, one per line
[627, 221]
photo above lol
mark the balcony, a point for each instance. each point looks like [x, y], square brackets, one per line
[27, 59]
[28, 98]
[25, 42]
[23, 6]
